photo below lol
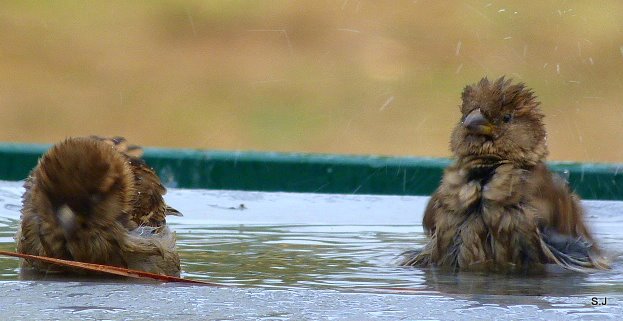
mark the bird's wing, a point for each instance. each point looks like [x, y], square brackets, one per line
[563, 212]
[121, 145]
[429, 222]
[565, 238]
[149, 208]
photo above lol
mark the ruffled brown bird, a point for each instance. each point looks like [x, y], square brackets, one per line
[498, 207]
[93, 199]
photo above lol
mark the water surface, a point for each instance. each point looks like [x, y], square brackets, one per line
[293, 255]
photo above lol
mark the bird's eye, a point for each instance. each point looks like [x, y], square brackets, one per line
[507, 118]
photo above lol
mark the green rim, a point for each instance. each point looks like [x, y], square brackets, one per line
[320, 173]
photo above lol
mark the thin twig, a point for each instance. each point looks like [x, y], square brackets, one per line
[114, 270]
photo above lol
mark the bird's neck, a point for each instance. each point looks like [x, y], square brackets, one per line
[481, 162]
[482, 167]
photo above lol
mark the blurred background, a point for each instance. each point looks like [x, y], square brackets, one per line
[349, 76]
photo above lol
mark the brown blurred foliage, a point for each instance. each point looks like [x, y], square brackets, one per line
[357, 77]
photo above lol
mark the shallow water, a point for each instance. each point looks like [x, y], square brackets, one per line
[314, 255]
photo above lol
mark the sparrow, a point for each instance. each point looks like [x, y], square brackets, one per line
[93, 199]
[498, 206]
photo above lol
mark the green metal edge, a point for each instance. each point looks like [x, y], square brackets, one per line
[319, 173]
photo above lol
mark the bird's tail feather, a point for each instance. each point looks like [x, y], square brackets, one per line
[418, 258]
[572, 253]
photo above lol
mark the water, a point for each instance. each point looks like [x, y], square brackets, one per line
[310, 256]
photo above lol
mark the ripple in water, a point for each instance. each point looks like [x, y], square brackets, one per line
[308, 241]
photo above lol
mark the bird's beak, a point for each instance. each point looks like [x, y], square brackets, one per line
[476, 123]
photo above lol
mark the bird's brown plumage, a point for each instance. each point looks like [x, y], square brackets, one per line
[498, 207]
[92, 199]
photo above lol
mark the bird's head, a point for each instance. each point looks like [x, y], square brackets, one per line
[502, 121]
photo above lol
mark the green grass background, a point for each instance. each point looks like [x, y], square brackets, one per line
[353, 77]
